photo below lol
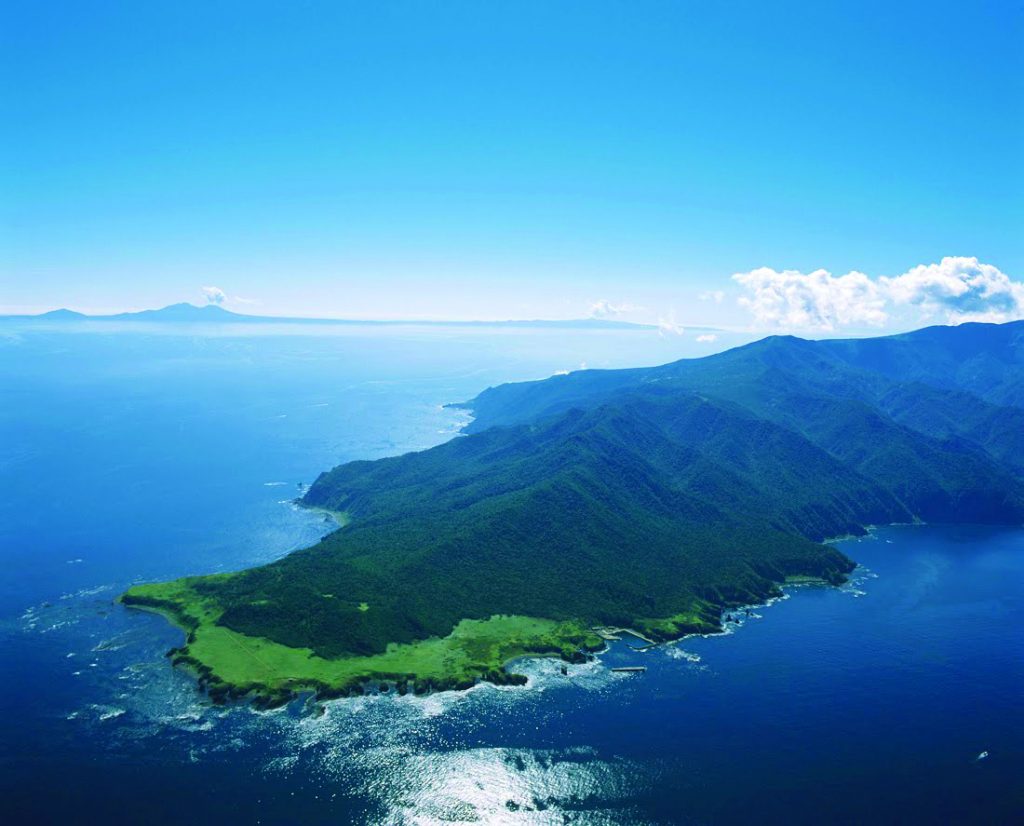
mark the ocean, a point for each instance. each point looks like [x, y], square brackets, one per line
[135, 452]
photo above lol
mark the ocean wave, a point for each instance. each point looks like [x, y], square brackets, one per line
[114, 643]
[105, 712]
[854, 586]
[679, 654]
[88, 592]
[56, 626]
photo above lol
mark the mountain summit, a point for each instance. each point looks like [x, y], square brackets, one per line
[181, 312]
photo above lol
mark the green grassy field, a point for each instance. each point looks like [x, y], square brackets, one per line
[702, 619]
[231, 664]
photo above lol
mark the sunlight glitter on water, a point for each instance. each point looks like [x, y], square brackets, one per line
[392, 750]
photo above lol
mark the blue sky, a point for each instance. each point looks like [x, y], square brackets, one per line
[497, 160]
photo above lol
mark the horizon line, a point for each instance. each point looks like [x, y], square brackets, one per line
[195, 309]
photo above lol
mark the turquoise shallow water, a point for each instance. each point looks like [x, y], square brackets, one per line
[140, 456]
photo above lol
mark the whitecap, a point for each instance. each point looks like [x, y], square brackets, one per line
[680, 654]
[88, 592]
[55, 626]
[111, 644]
[104, 712]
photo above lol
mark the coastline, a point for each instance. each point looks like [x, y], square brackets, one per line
[230, 665]
[340, 518]
[219, 676]
[585, 642]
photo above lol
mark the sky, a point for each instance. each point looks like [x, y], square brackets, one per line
[815, 166]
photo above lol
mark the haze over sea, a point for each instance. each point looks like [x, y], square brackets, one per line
[147, 452]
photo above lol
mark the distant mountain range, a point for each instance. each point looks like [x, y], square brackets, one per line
[652, 498]
[213, 314]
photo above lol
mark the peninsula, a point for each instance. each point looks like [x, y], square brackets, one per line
[652, 499]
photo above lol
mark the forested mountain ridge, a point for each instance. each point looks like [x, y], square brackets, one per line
[651, 498]
[984, 359]
[950, 383]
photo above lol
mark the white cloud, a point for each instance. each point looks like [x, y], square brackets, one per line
[962, 288]
[707, 338]
[954, 290]
[605, 309]
[712, 295]
[817, 300]
[214, 295]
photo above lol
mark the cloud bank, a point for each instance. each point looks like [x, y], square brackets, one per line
[963, 288]
[955, 290]
[816, 300]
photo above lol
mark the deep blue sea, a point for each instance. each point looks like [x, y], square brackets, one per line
[141, 453]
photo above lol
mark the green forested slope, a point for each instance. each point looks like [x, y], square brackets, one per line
[612, 516]
[648, 498]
